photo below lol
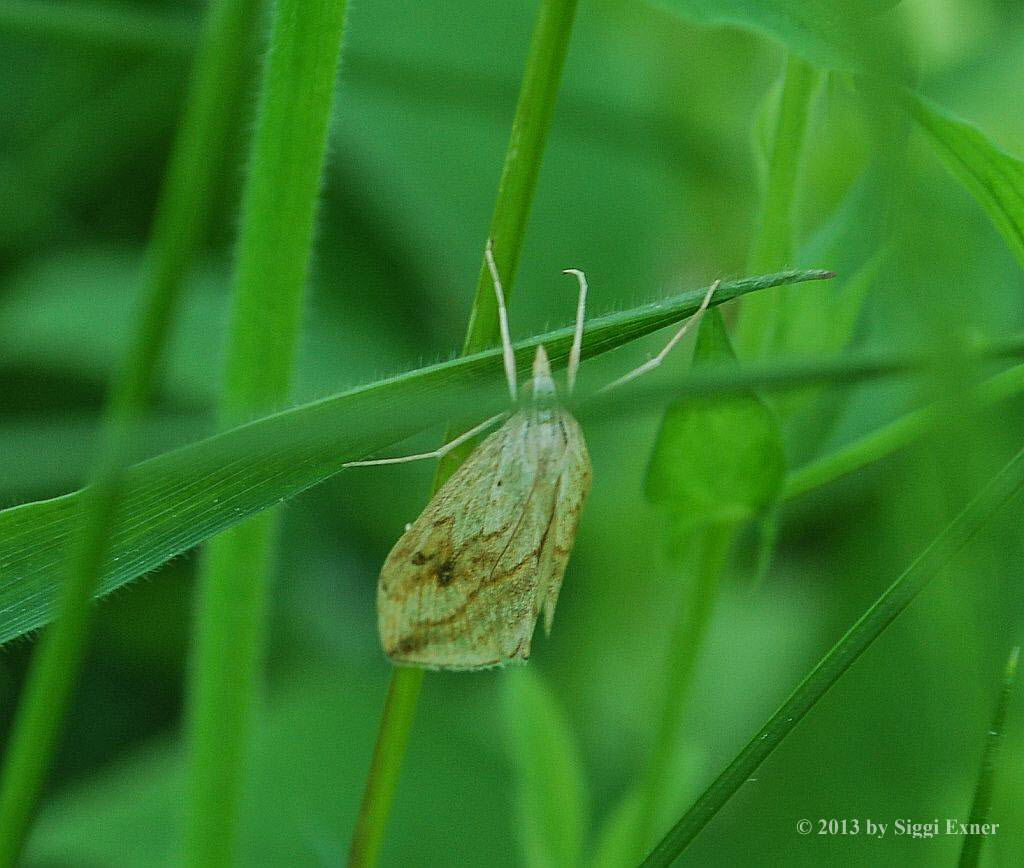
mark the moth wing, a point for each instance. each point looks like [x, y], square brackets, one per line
[571, 493]
[460, 589]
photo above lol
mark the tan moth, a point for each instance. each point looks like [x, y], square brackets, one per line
[464, 586]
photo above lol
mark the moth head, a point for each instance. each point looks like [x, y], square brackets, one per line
[541, 388]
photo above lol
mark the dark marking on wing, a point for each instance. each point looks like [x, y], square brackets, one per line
[409, 644]
[445, 573]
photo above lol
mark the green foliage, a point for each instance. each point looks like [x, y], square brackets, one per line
[658, 670]
[994, 177]
[716, 459]
[1007, 483]
[551, 791]
[849, 34]
[775, 241]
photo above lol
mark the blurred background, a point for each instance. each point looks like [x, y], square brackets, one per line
[651, 184]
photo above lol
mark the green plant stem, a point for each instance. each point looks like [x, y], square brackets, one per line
[970, 852]
[709, 551]
[275, 240]
[755, 338]
[889, 438]
[181, 219]
[386, 765]
[758, 325]
[534, 109]
[1007, 483]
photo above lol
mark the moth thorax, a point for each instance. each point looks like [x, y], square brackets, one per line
[541, 388]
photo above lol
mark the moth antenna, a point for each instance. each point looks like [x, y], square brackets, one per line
[651, 364]
[506, 340]
[577, 338]
[440, 452]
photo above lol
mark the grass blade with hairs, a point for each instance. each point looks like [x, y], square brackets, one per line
[181, 498]
[279, 206]
[182, 218]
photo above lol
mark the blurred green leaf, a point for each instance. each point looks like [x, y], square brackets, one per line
[994, 177]
[759, 322]
[311, 741]
[178, 499]
[716, 459]
[823, 324]
[885, 440]
[616, 839]
[842, 34]
[120, 29]
[551, 786]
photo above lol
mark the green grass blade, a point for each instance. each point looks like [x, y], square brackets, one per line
[758, 324]
[715, 463]
[535, 106]
[970, 852]
[551, 793]
[275, 242]
[699, 581]
[994, 177]
[615, 846]
[182, 218]
[386, 764]
[1001, 488]
[895, 435]
[534, 109]
[179, 499]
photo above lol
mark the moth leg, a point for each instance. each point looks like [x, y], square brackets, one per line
[577, 338]
[440, 452]
[508, 355]
[651, 364]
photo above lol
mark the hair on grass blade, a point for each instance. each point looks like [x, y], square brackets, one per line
[465, 584]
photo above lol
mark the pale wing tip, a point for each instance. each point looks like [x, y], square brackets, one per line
[456, 664]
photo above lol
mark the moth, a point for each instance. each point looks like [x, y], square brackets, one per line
[464, 586]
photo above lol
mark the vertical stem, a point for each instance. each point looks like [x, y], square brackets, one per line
[534, 110]
[709, 551]
[755, 336]
[276, 234]
[773, 249]
[181, 220]
[386, 765]
[981, 805]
